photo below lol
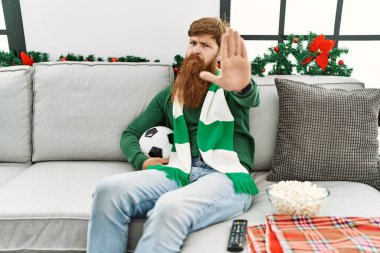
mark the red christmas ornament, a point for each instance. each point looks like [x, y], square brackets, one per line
[341, 62]
[263, 70]
[175, 70]
[296, 40]
[63, 59]
[26, 59]
[114, 59]
[276, 49]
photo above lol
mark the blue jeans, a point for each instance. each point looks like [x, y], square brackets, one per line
[171, 211]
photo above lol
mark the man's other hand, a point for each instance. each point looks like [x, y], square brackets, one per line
[154, 161]
[235, 66]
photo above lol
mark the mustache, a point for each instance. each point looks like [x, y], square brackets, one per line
[193, 63]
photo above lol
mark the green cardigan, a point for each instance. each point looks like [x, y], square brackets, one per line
[159, 113]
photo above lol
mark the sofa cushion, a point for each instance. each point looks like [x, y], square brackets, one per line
[10, 170]
[264, 118]
[326, 134]
[47, 207]
[15, 114]
[81, 109]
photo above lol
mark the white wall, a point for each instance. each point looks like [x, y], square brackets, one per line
[144, 28]
[158, 29]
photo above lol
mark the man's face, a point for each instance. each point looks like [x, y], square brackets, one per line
[204, 46]
[201, 56]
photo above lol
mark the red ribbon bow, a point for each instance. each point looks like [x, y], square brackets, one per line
[322, 47]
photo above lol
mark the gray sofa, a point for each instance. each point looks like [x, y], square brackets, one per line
[60, 127]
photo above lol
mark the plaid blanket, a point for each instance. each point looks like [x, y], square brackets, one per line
[283, 233]
[256, 239]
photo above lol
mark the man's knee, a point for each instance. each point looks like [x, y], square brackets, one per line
[169, 208]
[111, 189]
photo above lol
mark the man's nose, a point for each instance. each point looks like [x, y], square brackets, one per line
[197, 49]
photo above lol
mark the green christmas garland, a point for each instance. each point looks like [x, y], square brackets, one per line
[10, 58]
[305, 58]
[279, 57]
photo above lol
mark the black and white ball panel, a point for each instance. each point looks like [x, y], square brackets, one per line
[157, 142]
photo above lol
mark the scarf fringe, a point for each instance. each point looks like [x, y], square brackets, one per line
[180, 177]
[243, 183]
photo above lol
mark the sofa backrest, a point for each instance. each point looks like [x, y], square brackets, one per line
[15, 114]
[81, 109]
[264, 118]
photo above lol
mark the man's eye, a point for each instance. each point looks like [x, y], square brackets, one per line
[192, 42]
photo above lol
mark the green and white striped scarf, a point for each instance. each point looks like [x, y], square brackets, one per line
[215, 142]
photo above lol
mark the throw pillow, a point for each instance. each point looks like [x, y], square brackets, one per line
[326, 134]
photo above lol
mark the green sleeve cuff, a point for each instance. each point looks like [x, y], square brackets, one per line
[246, 91]
[140, 160]
[250, 98]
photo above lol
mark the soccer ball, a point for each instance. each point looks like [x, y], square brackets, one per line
[157, 142]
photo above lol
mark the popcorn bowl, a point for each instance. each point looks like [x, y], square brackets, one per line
[297, 198]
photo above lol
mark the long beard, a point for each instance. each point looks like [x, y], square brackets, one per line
[189, 88]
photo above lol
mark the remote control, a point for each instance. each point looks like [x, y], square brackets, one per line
[236, 241]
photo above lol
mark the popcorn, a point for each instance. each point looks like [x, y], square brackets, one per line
[297, 198]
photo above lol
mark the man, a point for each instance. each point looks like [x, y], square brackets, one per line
[206, 178]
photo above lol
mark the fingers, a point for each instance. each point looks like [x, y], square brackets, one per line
[224, 46]
[154, 161]
[159, 160]
[207, 76]
[165, 160]
[243, 49]
[238, 43]
[231, 42]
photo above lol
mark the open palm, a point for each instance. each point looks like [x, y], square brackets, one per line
[235, 67]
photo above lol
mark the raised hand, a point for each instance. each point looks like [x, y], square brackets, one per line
[235, 66]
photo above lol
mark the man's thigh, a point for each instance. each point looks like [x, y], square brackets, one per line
[138, 191]
[210, 199]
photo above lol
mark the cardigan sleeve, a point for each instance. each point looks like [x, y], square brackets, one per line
[153, 115]
[249, 98]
